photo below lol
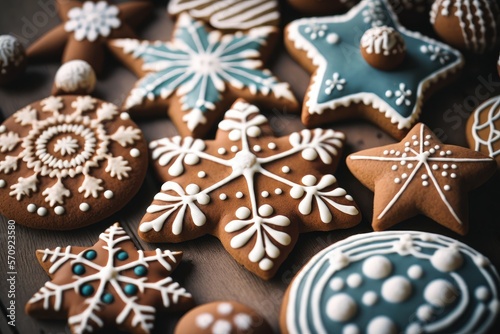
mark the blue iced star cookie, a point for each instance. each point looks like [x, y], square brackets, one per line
[345, 85]
[200, 73]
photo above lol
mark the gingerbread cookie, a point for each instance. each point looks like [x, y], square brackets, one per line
[321, 7]
[483, 129]
[86, 27]
[199, 74]
[332, 50]
[393, 282]
[12, 59]
[229, 14]
[470, 25]
[108, 285]
[421, 175]
[74, 77]
[223, 318]
[69, 161]
[253, 191]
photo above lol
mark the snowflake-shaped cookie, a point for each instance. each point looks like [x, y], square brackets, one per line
[109, 284]
[253, 191]
[60, 157]
[199, 73]
[421, 175]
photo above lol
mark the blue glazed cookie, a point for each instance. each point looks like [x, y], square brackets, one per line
[393, 282]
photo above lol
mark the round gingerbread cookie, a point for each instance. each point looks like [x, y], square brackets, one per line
[69, 161]
[12, 59]
[321, 7]
[224, 317]
[393, 282]
[483, 129]
[467, 24]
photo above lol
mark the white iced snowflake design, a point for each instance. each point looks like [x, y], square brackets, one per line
[103, 285]
[402, 95]
[419, 154]
[316, 30]
[336, 82]
[92, 20]
[240, 321]
[65, 146]
[436, 53]
[374, 14]
[259, 222]
[198, 65]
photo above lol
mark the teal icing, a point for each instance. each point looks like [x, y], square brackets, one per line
[403, 314]
[90, 254]
[86, 290]
[122, 255]
[344, 57]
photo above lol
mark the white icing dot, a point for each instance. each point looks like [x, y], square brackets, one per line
[204, 320]
[410, 166]
[415, 271]
[222, 197]
[264, 194]
[257, 148]
[59, 210]
[448, 152]
[266, 264]
[109, 194]
[84, 207]
[271, 146]
[222, 151]
[224, 308]
[203, 199]
[234, 135]
[351, 329]
[337, 284]
[447, 187]
[370, 298]
[424, 176]
[437, 147]
[453, 175]
[425, 313]
[31, 208]
[440, 293]
[202, 174]
[428, 137]
[396, 289]
[354, 280]
[191, 159]
[243, 213]
[403, 163]
[414, 328]
[482, 293]
[309, 180]
[278, 191]
[454, 166]
[332, 38]
[2, 128]
[445, 166]
[124, 116]
[309, 154]
[2, 183]
[134, 153]
[234, 148]
[397, 180]
[444, 174]
[381, 325]
[432, 151]
[404, 176]
[447, 259]
[285, 169]
[192, 189]
[254, 131]
[388, 93]
[414, 137]
[425, 183]
[239, 194]
[415, 143]
[426, 143]
[435, 167]
[41, 211]
[377, 267]
[394, 168]
[385, 152]
[341, 307]
[243, 321]
[266, 210]
[222, 326]
[349, 198]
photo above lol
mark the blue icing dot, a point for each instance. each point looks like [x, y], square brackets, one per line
[130, 289]
[78, 269]
[107, 298]
[90, 254]
[122, 256]
[86, 290]
[140, 271]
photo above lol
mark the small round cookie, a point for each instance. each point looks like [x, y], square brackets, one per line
[483, 128]
[393, 282]
[74, 77]
[383, 48]
[226, 317]
[69, 161]
[322, 7]
[12, 59]
[467, 24]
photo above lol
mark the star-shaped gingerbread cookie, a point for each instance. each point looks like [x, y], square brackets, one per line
[86, 27]
[108, 285]
[200, 73]
[421, 175]
[366, 65]
[253, 191]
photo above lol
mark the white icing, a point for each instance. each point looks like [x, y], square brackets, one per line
[482, 293]
[425, 313]
[277, 191]
[337, 284]
[285, 169]
[222, 197]
[41, 211]
[351, 329]
[377, 267]
[335, 83]
[224, 308]
[381, 325]
[108, 194]
[490, 144]
[239, 194]
[396, 289]
[265, 194]
[440, 293]
[202, 174]
[447, 259]
[3, 183]
[204, 320]
[332, 38]
[75, 75]
[59, 210]
[341, 307]
[124, 116]
[11, 53]
[415, 272]
[383, 41]
[134, 153]
[31, 208]
[84, 207]
[92, 20]
[370, 298]
[243, 321]
[271, 146]
[354, 280]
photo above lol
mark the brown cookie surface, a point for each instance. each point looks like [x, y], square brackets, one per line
[226, 317]
[253, 191]
[421, 175]
[69, 161]
[110, 285]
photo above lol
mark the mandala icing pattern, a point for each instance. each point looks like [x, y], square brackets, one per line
[112, 284]
[92, 20]
[256, 220]
[436, 285]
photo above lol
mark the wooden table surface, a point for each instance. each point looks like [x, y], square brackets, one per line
[207, 271]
